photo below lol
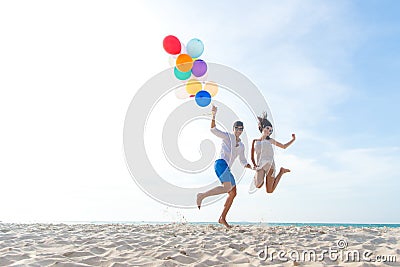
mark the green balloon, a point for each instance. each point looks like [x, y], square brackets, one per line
[182, 75]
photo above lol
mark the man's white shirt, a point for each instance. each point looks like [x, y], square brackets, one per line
[229, 150]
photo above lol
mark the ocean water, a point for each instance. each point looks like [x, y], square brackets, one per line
[359, 225]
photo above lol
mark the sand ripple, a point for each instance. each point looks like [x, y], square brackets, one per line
[185, 244]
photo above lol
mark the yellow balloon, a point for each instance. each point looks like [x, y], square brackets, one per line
[193, 86]
[212, 88]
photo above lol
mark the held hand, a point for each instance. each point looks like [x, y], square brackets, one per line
[255, 167]
[293, 137]
[248, 166]
[214, 110]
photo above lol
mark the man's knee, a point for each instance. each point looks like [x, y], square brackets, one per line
[232, 193]
[227, 187]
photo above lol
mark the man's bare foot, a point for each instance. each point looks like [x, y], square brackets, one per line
[223, 221]
[199, 199]
[283, 170]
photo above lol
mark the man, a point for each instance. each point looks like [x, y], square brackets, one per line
[232, 147]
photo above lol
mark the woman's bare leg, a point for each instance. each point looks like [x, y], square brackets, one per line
[224, 188]
[259, 178]
[282, 171]
[270, 180]
[273, 182]
[227, 206]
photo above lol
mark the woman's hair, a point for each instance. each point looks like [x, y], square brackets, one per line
[263, 122]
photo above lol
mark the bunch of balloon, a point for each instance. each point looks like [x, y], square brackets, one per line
[189, 68]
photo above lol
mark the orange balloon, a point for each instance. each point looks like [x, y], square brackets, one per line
[211, 87]
[184, 62]
[193, 86]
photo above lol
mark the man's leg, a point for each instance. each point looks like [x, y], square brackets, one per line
[227, 206]
[224, 188]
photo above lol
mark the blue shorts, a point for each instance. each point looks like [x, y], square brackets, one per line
[223, 172]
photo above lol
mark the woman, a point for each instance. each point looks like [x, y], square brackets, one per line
[265, 166]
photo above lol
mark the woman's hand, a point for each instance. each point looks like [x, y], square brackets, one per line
[255, 167]
[293, 137]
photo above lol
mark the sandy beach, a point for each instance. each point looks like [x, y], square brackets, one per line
[195, 245]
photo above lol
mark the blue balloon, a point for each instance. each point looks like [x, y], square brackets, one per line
[195, 48]
[203, 98]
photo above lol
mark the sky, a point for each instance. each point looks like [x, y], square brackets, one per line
[328, 70]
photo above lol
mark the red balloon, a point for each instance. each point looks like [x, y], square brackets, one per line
[172, 45]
